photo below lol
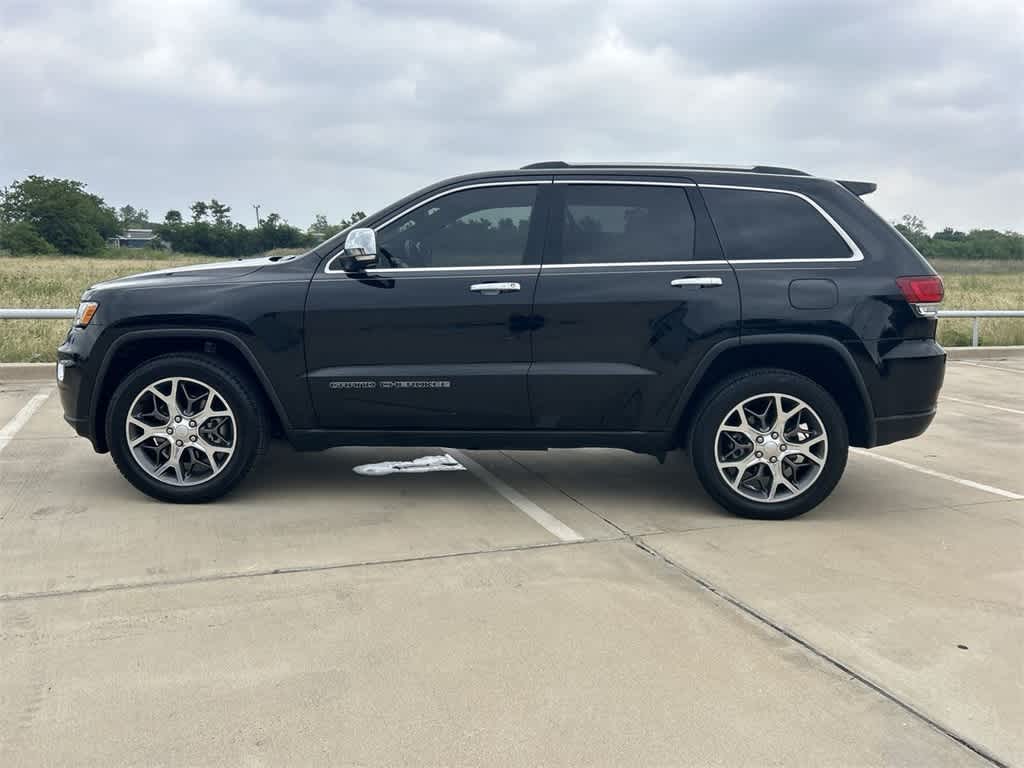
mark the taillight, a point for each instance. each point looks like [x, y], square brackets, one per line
[921, 290]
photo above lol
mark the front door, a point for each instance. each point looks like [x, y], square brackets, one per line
[437, 336]
[633, 292]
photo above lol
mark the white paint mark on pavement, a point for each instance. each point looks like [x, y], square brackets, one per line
[540, 516]
[942, 475]
[443, 463]
[1004, 369]
[981, 405]
[20, 419]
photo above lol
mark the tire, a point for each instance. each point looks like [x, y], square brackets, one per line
[734, 427]
[230, 431]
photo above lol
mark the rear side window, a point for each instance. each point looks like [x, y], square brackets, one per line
[622, 223]
[771, 225]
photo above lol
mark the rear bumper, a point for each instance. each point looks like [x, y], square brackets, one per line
[906, 390]
[891, 429]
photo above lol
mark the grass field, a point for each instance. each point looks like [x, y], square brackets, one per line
[59, 281]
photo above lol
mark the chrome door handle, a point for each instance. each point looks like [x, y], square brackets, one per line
[493, 289]
[700, 282]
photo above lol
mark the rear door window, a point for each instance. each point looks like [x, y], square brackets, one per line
[625, 223]
[765, 225]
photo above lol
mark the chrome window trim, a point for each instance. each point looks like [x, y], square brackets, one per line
[637, 264]
[855, 252]
[328, 270]
[408, 270]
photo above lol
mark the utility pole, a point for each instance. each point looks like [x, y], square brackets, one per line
[257, 207]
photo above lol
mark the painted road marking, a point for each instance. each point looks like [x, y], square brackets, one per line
[20, 419]
[981, 405]
[942, 475]
[540, 516]
[1004, 369]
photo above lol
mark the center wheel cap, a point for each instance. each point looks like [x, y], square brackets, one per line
[771, 448]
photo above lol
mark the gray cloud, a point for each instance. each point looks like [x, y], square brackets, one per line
[310, 106]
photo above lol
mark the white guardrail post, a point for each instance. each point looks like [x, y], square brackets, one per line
[976, 314]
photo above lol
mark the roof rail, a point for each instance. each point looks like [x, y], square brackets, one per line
[768, 169]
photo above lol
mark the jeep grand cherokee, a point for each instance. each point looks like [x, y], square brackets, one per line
[761, 318]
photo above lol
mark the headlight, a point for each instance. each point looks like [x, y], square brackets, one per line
[85, 313]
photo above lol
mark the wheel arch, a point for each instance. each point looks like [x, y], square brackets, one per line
[133, 348]
[824, 360]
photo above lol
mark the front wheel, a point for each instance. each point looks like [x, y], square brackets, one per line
[769, 444]
[185, 428]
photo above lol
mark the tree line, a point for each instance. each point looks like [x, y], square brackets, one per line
[40, 215]
[951, 243]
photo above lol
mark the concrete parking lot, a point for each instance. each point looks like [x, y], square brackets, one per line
[555, 608]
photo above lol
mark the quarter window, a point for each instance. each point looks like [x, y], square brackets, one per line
[487, 226]
[771, 225]
[623, 223]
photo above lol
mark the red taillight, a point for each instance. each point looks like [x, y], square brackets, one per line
[921, 290]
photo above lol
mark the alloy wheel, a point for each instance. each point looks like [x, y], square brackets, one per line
[181, 431]
[771, 447]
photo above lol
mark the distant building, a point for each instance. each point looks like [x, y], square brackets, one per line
[135, 238]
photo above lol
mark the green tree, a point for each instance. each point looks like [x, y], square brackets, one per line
[321, 229]
[172, 217]
[129, 217]
[219, 211]
[199, 210]
[21, 238]
[61, 212]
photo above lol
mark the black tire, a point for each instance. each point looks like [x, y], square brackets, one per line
[238, 391]
[729, 394]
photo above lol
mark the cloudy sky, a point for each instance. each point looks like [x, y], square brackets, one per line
[324, 106]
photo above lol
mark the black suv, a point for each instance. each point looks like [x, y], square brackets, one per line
[761, 318]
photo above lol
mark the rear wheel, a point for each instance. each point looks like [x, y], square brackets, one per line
[769, 444]
[185, 428]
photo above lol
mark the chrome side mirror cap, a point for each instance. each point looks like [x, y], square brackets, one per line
[361, 246]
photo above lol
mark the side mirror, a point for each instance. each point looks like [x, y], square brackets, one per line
[361, 248]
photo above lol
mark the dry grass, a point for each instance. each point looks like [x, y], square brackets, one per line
[982, 285]
[59, 281]
[56, 282]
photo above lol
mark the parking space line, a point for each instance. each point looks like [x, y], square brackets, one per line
[540, 516]
[992, 367]
[20, 419]
[942, 475]
[981, 405]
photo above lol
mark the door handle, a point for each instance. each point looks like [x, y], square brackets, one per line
[493, 289]
[700, 282]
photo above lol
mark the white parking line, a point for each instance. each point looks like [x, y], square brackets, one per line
[981, 405]
[942, 475]
[540, 516]
[11, 428]
[993, 367]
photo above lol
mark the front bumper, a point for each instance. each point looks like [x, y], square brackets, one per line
[76, 358]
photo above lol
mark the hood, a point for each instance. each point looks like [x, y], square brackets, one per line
[218, 270]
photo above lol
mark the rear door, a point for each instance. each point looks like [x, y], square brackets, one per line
[633, 292]
[438, 336]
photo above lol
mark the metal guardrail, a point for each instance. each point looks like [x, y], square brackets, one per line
[977, 314]
[37, 314]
